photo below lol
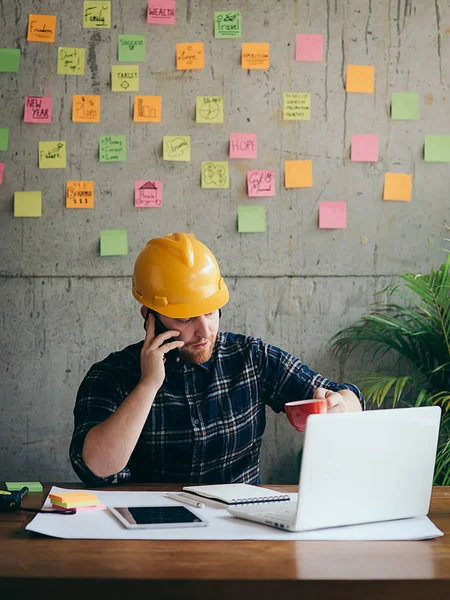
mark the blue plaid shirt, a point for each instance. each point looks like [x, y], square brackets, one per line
[207, 421]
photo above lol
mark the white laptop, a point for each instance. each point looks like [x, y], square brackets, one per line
[359, 468]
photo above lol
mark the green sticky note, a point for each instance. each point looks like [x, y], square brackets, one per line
[215, 175]
[70, 61]
[227, 24]
[437, 148]
[405, 106]
[4, 138]
[131, 48]
[52, 155]
[177, 147]
[113, 148]
[125, 78]
[297, 107]
[13, 486]
[113, 242]
[251, 219]
[9, 60]
[27, 204]
[96, 15]
[209, 109]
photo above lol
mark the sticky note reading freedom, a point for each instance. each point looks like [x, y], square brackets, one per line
[227, 24]
[70, 61]
[52, 155]
[125, 78]
[113, 148]
[38, 109]
[113, 242]
[147, 109]
[148, 194]
[190, 56]
[80, 194]
[161, 12]
[209, 109]
[255, 56]
[9, 60]
[41, 28]
[177, 147]
[251, 219]
[297, 107]
[96, 15]
[131, 48]
[27, 204]
[215, 175]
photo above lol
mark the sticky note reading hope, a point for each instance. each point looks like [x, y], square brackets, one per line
[261, 183]
[397, 186]
[131, 48]
[41, 28]
[125, 78]
[70, 61]
[161, 12]
[86, 109]
[215, 175]
[177, 147]
[255, 56]
[360, 79]
[227, 24]
[96, 15]
[80, 194]
[112, 148]
[148, 194]
[38, 109]
[209, 109]
[333, 215]
[298, 174]
[113, 242]
[309, 48]
[147, 109]
[190, 56]
[27, 204]
[52, 155]
[243, 145]
[9, 60]
[364, 148]
[297, 107]
[251, 219]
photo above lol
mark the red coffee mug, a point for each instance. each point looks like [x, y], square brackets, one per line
[298, 412]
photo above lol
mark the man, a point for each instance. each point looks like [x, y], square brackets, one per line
[188, 403]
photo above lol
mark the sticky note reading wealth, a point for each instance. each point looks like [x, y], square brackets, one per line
[4, 138]
[333, 215]
[70, 61]
[360, 78]
[86, 109]
[297, 107]
[27, 204]
[177, 147]
[79, 194]
[38, 109]
[209, 109]
[437, 148]
[131, 48]
[227, 24]
[309, 48]
[215, 175]
[190, 56]
[96, 15]
[251, 219]
[2, 170]
[113, 242]
[9, 60]
[148, 194]
[125, 78]
[14, 486]
[261, 183]
[255, 56]
[243, 145]
[147, 109]
[298, 174]
[41, 28]
[161, 12]
[405, 106]
[112, 148]
[52, 155]
[397, 186]
[364, 148]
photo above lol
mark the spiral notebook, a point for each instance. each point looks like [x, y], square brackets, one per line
[235, 493]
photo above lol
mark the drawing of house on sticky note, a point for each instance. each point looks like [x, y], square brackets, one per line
[148, 194]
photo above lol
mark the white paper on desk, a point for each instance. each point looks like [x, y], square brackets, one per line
[102, 525]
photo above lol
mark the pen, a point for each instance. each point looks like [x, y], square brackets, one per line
[184, 500]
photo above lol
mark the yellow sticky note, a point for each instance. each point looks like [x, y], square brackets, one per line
[360, 78]
[397, 186]
[190, 56]
[52, 155]
[297, 106]
[96, 15]
[27, 204]
[215, 175]
[255, 56]
[209, 109]
[177, 147]
[125, 78]
[147, 109]
[41, 28]
[80, 194]
[298, 174]
[86, 109]
[70, 61]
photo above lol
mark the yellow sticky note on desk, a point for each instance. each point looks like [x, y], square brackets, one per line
[28, 204]
[298, 174]
[52, 155]
[73, 497]
[255, 56]
[397, 186]
[125, 78]
[360, 78]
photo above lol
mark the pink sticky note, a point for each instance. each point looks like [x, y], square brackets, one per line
[309, 48]
[38, 109]
[2, 170]
[364, 148]
[333, 215]
[243, 145]
[261, 183]
[161, 12]
[147, 193]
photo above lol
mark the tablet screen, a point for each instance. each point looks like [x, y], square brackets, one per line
[157, 515]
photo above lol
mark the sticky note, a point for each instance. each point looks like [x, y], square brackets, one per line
[86, 109]
[397, 186]
[209, 109]
[2, 171]
[78, 504]
[33, 486]
[52, 155]
[177, 147]
[260, 183]
[215, 175]
[405, 106]
[125, 78]
[309, 47]
[112, 148]
[4, 138]
[251, 219]
[41, 28]
[79, 194]
[96, 15]
[147, 109]
[113, 242]
[67, 497]
[437, 148]
[243, 145]
[9, 60]
[227, 24]
[161, 12]
[255, 56]
[297, 107]
[147, 193]
[364, 148]
[360, 78]
[131, 48]
[190, 56]
[298, 174]
[27, 204]
[38, 109]
[70, 61]
[333, 215]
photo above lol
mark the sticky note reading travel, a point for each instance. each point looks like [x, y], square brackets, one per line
[161, 12]
[38, 109]
[177, 147]
[79, 194]
[405, 106]
[2, 170]
[243, 145]
[209, 109]
[125, 78]
[131, 48]
[86, 109]
[298, 174]
[309, 48]
[41, 28]
[112, 148]
[437, 148]
[147, 109]
[148, 194]
[70, 61]
[255, 56]
[190, 56]
[251, 219]
[33, 486]
[297, 107]
[333, 215]
[261, 183]
[397, 186]
[215, 175]
[360, 78]
[27, 204]
[9, 60]
[227, 24]
[113, 242]
[96, 15]
[364, 148]
[52, 155]
[4, 138]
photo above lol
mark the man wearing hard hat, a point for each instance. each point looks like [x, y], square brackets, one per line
[187, 404]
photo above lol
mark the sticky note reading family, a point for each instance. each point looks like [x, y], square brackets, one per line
[52, 155]
[70, 61]
[9, 60]
[113, 242]
[125, 78]
[298, 174]
[148, 194]
[215, 175]
[41, 28]
[80, 194]
[177, 147]
[261, 183]
[38, 109]
[86, 109]
[243, 145]
[161, 12]
[113, 148]
[309, 47]
[96, 15]
[27, 204]
[147, 109]
[255, 56]
[297, 107]
[333, 215]
[251, 219]
[131, 48]
[227, 24]
[209, 109]
[190, 56]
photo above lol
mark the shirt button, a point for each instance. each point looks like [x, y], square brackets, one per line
[196, 422]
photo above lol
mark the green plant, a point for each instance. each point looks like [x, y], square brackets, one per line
[411, 332]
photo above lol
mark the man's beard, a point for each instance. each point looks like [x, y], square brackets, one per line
[197, 356]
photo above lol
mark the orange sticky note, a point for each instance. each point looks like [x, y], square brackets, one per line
[80, 194]
[147, 109]
[298, 174]
[41, 28]
[86, 109]
[255, 56]
[397, 186]
[360, 78]
[190, 56]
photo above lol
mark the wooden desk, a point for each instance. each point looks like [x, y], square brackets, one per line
[34, 566]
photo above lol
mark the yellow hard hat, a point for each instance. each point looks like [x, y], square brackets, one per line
[179, 277]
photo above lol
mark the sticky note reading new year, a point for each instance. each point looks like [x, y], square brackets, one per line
[437, 148]
[113, 242]
[297, 107]
[79, 194]
[70, 61]
[209, 109]
[227, 24]
[397, 186]
[255, 56]
[405, 106]
[125, 78]
[4, 138]
[190, 56]
[2, 170]
[9, 60]
[215, 175]
[364, 148]
[96, 15]
[309, 48]
[148, 193]
[177, 147]
[333, 215]
[27, 204]
[86, 109]
[161, 12]
[52, 155]
[41, 28]
[360, 79]
[112, 148]
[38, 109]
[147, 109]
[261, 183]
[298, 174]
[243, 145]
[251, 219]
[131, 48]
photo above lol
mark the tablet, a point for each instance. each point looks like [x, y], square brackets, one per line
[157, 517]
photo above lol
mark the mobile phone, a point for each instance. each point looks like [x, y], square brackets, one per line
[159, 326]
[157, 517]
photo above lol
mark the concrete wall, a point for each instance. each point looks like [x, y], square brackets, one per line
[63, 306]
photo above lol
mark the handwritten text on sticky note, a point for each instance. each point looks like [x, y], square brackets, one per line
[364, 148]
[261, 183]
[177, 147]
[209, 109]
[112, 148]
[131, 48]
[80, 194]
[148, 193]
[297, 107]
[309, 48]
[255, 56]
[333, 215]
[52, 155]
[97, 15]
[161, 12]
[86, 109]
[70, 61]
[227, 24]
[125, 78]
[190, 56]
[41, 28]
[147, 109]
[215, 175]
[243, 145]
[38, 109]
